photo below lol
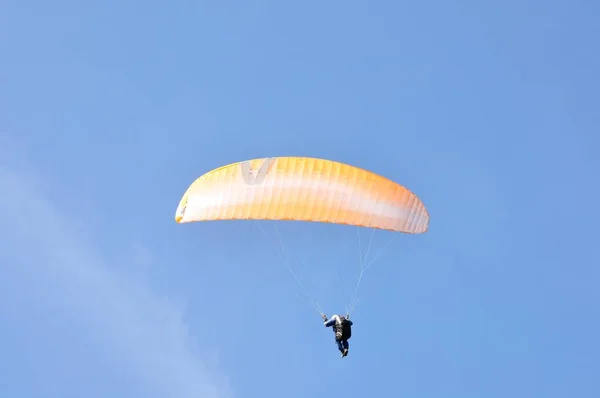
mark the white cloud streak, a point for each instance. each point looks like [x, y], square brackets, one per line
[143, 329]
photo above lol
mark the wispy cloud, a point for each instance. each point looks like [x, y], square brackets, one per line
[143, 329]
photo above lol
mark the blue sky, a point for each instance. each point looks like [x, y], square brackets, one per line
[487, 110]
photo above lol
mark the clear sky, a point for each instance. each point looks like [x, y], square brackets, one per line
[488, 110]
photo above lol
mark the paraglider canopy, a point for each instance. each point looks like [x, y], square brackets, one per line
[302, 189]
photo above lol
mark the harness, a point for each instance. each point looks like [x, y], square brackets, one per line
[343, 330]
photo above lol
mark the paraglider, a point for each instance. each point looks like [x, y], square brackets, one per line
[342, 329]
[305, 189]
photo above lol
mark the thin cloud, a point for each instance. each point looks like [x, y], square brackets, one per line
[145, 330]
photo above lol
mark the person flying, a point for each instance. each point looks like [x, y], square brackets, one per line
[342, 328]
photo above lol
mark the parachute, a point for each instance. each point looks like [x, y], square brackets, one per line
[303, 189]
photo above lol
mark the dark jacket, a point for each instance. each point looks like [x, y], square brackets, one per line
[342, 327]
